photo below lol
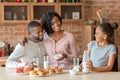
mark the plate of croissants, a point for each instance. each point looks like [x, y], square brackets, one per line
[39, 72]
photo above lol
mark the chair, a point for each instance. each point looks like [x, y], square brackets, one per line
[115, 66]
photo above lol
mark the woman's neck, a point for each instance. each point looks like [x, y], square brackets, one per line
[57, 35]
[103, 43]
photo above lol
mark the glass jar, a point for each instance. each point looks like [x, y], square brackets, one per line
[57, 1]
[34, 0]
[42, 0]
[23, 0]
[18, 0]
[68, 0]
[51, 0]
[15, 16]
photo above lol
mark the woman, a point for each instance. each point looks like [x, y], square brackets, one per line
[102, 52]
[58, 42]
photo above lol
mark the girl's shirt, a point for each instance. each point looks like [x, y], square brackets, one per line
[100, 55]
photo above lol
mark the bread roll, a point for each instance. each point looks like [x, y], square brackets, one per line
[40, 73]
[32, 72]
[37, 69]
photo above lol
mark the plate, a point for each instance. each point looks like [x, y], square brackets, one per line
[21, 73]
[59, 72]
[38, 75]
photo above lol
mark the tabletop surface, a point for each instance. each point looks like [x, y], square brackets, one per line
[9, 74]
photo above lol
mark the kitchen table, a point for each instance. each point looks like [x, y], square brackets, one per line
[9, 74]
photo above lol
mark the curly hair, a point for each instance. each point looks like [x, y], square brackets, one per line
[46, 21]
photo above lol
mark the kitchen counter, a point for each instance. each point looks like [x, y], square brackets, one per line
[9, 74]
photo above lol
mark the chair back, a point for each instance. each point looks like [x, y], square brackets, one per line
[115, 66]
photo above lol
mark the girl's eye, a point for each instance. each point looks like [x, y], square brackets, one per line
[52, 23]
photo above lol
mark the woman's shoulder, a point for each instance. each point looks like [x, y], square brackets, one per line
[111, 46]
[68, 34]
[93, 42]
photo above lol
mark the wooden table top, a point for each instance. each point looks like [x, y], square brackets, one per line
[9, 74]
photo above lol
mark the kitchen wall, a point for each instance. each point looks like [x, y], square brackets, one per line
[110, 10]
[13, 33]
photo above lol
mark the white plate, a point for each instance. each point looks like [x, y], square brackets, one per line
[59, 72]
[21, 73]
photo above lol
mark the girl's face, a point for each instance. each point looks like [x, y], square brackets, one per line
[99, 35]
[37, 34]
[56, 24]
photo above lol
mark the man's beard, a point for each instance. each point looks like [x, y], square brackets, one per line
[37, 39]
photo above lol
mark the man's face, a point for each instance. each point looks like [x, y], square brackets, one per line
[37, 34]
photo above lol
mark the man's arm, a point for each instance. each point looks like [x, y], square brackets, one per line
[12, 61]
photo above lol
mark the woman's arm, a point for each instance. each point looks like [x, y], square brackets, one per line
[73, 48]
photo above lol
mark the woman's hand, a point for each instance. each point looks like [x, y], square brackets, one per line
[63, 56]
[90, 65]
[23, 41]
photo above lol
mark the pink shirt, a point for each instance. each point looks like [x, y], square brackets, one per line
[65, 45]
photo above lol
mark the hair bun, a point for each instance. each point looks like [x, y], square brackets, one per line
[114, 25]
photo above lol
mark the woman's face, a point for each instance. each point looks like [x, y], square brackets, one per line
[56, 24]
[99, 35]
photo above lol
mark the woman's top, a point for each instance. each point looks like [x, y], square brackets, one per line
[65, 45]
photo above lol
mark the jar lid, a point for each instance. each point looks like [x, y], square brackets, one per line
[2, 44]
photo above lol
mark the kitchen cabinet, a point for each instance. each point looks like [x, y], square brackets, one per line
[23, 12]
[15, 12]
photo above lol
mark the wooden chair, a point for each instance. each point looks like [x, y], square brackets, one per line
[115, 66]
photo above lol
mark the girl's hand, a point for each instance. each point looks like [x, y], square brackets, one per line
[90, 65]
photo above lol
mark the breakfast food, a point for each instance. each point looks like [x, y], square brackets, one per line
[19, 70]
[32, 72]
[57, 56]
[40, 72]
[58, 70]
[22, 70]
[51, 71]
[26, 70]
[37, 69]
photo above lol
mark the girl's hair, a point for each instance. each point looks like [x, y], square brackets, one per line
[46, 21]
[108, 29]
[32, 25]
